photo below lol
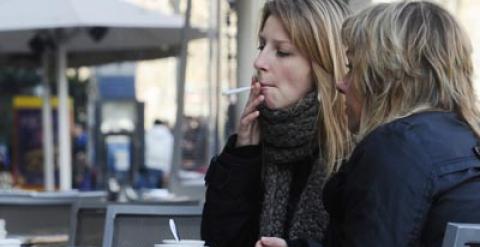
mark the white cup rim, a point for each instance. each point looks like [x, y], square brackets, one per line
[178, 245]
[183, 241]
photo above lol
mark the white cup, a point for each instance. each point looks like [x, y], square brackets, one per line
[182, 243]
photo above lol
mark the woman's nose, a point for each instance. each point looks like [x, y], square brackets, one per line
[260, 62]
[342, 86]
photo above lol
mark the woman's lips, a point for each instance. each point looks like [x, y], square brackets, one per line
[265, 89]
[267, 84]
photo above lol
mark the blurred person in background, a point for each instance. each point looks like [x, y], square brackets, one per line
[194, 144]
[158, 155]
[82, 172]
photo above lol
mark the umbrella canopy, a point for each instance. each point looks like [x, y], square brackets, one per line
[82, 32]
[98, 31]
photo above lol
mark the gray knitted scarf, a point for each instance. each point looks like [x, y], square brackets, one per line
[290, 136]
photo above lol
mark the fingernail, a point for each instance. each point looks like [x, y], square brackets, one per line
[265, 240]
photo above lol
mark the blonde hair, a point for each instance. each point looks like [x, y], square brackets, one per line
[314, 28]
[408, 57]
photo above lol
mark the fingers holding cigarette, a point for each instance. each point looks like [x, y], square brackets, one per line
[254, 101]
[248, 132]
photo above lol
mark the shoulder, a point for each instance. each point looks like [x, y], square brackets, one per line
[434, 137]
[413, 144]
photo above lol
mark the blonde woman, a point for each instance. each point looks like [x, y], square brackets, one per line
[411, 102]
[269, 178]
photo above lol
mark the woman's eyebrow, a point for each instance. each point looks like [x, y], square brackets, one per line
[275, 40]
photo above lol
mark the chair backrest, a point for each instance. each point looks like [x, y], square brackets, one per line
[92, 196]
[28, 215]
[87, 224]
[461, 235]
[146, 225]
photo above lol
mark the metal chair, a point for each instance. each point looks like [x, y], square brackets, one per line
[145, 225]
[461, 235]
[87, 224]
[28, 215]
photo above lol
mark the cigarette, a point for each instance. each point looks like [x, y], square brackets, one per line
[236, 90]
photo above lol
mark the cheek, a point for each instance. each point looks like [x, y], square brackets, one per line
[299, 78]
[355, 104]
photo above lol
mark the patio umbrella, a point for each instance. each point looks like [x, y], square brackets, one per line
[82, 32]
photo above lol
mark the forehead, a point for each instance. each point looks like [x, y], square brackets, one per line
[274, 29]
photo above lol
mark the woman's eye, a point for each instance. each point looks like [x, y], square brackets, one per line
[261, 44]
[283, 54]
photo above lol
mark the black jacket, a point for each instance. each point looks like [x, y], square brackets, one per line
[235, 193]
[232, 206]
[404, 182]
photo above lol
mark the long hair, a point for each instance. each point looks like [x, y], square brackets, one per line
[408, 57]
[314, 27]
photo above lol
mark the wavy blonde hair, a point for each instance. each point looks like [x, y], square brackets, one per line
[314, 27]
[408, 57]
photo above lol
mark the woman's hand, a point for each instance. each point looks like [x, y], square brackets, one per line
[248, 132]
[271, 242]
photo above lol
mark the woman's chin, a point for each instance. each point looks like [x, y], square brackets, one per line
[273, 103]
[270, 104]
